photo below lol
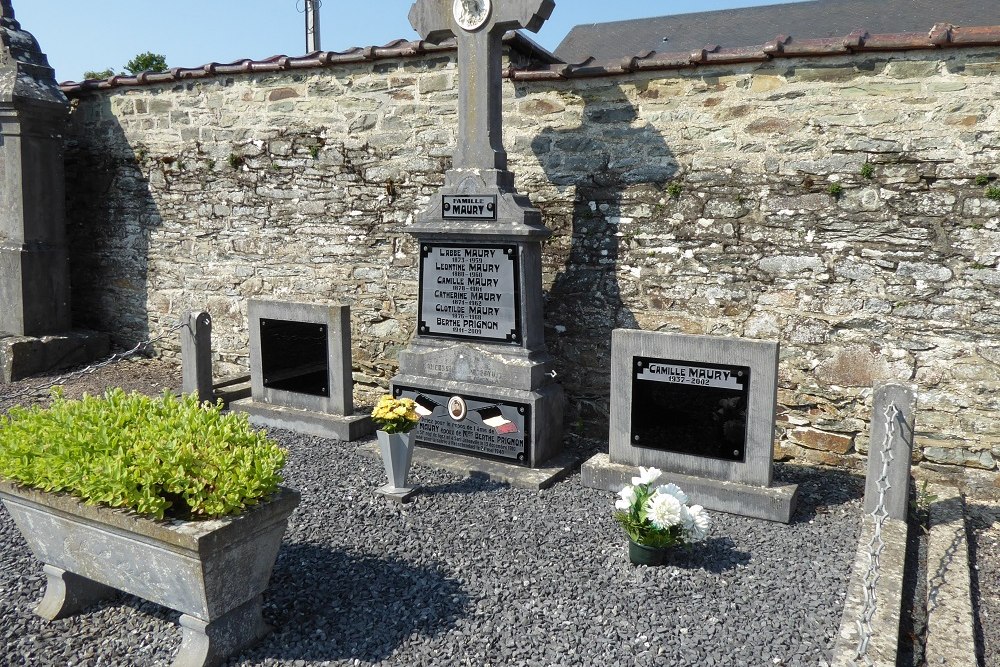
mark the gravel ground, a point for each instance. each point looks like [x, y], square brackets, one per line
[984, 548]
[477, 573]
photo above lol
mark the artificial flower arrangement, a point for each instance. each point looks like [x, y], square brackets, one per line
[395, 415]
[658, 516]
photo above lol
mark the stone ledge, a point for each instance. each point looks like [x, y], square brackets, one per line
[884, 643]
[24, 356]
[950, 619]
[335, 427]
[533, 479]
[775, 503]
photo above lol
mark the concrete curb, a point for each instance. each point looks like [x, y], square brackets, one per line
[950, 619]
[884, 643]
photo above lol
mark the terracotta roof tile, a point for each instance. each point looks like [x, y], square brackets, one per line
[547, 67]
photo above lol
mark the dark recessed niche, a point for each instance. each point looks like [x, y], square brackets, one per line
[295, 357]
[690, 408]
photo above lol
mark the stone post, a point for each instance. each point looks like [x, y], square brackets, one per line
[893, 409]
[196, 356]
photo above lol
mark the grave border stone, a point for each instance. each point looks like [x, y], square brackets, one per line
[738, 487]
[329, 416]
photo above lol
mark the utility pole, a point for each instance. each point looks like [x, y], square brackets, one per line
[312, 25]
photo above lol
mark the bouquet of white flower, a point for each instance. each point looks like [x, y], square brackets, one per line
[658, 516]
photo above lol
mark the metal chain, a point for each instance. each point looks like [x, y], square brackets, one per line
[114, 358]
[880, 514]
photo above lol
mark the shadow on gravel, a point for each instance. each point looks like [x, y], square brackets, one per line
[819, 488]
[476, 483]
[715, 555]
[326, 604]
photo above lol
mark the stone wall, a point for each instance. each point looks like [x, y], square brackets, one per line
[836, 205]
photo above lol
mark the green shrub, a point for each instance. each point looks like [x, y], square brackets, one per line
[166, 456]
[992, 192]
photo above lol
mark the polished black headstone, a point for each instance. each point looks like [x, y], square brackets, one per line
[295, 357]
[690, 408]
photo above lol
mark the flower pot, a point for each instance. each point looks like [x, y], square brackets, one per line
[213, 572]
[640, 554]
[397, 454]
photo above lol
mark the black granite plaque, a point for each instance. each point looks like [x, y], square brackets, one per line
[472, 424]
[690, 408]
[469, 207]
[470, 292]
[295, 357]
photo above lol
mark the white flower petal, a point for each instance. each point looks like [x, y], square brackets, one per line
[626, 497]
[673, 490]
[663, 510]
[700, 523]
[646, 476]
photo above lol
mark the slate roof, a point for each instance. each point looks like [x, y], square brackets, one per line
[731, 28]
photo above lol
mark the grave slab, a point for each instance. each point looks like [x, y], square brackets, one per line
[518, 476]
[335, 427]
[773, 503]
[701, 409]
[24, 356]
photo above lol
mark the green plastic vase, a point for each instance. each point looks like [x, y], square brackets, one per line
[640, 554]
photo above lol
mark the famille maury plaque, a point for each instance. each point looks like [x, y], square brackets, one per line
[470, 292]
[690, 408]
[294, 356]
[469, 207]
[497, 429]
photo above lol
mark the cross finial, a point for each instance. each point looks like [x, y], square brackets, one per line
[479, 26]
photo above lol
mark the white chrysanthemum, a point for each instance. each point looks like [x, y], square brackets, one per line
[698, 524]
[625, 498]
[663, 510]
[673, 490]
[646, 476]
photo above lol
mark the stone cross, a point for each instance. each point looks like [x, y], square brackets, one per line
[479, 26]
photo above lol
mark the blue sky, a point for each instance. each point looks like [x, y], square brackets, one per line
[80, 35]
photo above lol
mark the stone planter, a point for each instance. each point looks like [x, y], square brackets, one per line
[213, 572]
[397, 454]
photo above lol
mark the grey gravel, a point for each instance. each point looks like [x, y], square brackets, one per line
[478, 573]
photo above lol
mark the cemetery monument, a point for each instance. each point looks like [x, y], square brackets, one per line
[35, 317]
[478, 366]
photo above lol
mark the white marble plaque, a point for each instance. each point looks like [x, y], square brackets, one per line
[470, 292]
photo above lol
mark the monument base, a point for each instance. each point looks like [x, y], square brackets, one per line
[336, 427]
[24, 356]
[533, 479]
[400, 496]
[774, 503]
[512, 426]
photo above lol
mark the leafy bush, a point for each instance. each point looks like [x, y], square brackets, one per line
[166, 456]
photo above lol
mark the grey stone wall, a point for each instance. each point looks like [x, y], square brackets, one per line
[830, 204]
